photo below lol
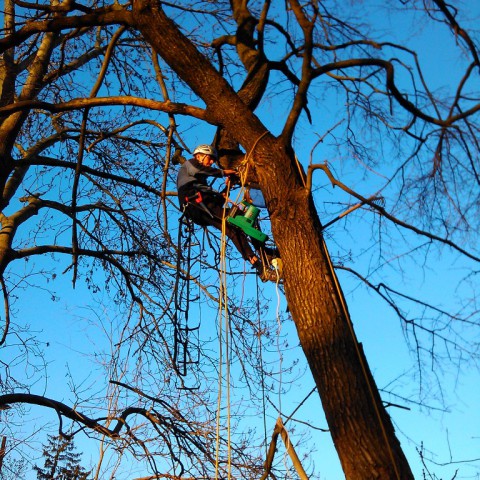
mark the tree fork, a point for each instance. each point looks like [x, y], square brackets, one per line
[361, 429]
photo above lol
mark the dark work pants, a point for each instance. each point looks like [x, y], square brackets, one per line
[214, 202]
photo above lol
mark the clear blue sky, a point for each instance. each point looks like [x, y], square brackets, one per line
[449, 430]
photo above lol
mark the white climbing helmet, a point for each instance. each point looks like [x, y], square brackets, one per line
[206, 150]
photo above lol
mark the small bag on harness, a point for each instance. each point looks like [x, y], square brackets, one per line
[197, 198]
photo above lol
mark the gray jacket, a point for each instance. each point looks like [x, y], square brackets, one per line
[194, 174]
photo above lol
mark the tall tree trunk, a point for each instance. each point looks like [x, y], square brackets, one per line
[361, 429]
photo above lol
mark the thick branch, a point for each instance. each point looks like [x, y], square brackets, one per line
[300, 99]
[62, 410]
[6, 304]
[457, 30]
[80, 103]
[390, 82]
[111, 15]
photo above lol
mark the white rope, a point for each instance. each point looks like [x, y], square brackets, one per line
[223, 356]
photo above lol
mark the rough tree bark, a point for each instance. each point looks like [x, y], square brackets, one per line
[361, 429]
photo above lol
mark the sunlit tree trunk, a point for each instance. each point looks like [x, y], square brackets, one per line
[361, 429]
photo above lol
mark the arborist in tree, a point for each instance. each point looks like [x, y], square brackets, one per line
[205, 206]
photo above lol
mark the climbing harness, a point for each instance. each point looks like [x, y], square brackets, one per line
[197, 200]
[244, 216]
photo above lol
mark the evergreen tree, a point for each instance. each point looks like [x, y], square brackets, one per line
[62, 462]
[11, 468]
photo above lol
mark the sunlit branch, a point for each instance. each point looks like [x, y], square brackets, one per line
[80, 103]
[300, 99]
[58, 8]
[110, 15]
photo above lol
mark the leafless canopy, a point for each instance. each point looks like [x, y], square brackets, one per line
[100, 100]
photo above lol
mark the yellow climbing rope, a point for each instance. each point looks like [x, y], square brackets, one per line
[224, 327]
[224, 356]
